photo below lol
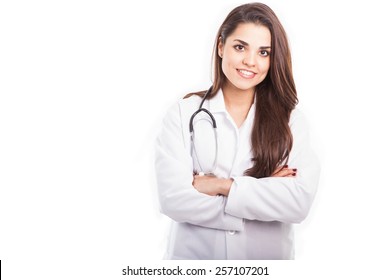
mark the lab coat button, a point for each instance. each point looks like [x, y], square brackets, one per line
[232, 232]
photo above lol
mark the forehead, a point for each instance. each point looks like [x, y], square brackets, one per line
[254, 34]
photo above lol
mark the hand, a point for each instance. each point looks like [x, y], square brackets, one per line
[212, 185]
[284, 171]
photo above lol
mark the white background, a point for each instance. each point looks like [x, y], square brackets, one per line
[84, 85]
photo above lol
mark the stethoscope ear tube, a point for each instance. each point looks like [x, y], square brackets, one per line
[197, 112]
[202, 110]
[205, 96]
[195, 152]
[214, 123]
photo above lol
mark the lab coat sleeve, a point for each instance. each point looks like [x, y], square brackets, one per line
[284, 199]
[179, 200]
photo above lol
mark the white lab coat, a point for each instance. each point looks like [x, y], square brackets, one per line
[255, 220]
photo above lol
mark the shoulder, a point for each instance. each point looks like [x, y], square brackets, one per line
[298, 122]
[182, 109]
[187, 106]
[192, 102]
[297, 115]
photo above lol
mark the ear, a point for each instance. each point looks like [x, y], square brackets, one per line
[220, 47]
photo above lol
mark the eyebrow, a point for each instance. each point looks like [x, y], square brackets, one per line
[246, 44]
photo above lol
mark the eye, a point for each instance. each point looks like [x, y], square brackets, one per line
[264, 53]
[239, 48]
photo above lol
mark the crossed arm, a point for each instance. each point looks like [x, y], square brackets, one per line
[212, 185]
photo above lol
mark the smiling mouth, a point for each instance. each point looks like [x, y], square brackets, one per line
[246, 74]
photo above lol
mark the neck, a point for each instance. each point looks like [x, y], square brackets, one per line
[238, 103]
[238, 98]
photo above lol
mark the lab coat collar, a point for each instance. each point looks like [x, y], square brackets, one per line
[217, 103]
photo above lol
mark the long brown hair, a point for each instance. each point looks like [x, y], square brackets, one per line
[276, 95]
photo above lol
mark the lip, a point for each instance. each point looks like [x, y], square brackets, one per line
[246, 74]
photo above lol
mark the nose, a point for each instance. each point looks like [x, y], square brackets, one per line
[249, 59]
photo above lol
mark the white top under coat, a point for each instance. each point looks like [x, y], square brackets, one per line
[255, 220]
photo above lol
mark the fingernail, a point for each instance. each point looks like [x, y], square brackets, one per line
[294, 174]
[294, 169]
[285, 166]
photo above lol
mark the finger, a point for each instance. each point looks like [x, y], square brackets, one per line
[291, 173]
[279, 169]
[286, 172]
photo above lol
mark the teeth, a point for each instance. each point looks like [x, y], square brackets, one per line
[246, 73]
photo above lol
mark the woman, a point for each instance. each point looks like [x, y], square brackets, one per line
[261, 174]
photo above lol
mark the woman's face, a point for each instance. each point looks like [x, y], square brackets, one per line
[246, 56]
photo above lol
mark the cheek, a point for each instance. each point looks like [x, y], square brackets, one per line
[263, 69]
[264, 66]
[231, 58]
[227, 65]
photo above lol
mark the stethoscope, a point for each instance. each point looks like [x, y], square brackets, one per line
[192, 133]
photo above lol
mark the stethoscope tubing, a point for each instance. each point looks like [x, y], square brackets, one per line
[192, 133]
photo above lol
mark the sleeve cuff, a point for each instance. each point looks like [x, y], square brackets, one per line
[232, 202]
[233, 222]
